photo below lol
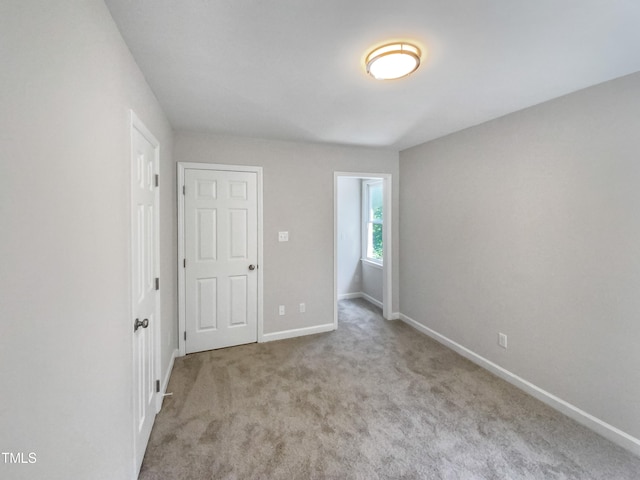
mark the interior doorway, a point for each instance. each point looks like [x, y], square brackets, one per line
[362, 239]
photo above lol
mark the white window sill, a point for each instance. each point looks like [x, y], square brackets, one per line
[366, 261]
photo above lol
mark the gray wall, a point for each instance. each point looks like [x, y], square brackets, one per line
[530, 225]
[66, 85]
[298, 197]
[349, 235]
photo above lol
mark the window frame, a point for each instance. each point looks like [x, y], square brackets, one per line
[366, 185]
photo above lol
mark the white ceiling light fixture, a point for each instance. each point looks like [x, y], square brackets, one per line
[394, 60]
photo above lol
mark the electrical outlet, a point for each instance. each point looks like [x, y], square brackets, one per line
[502, 340]
[283, 236]
[281, 309]
[303, 308]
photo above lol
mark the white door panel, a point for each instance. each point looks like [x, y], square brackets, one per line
[144, 230]
[221, 244]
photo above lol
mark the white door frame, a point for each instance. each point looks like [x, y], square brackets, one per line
[182, 166]
[137, 124]
[387, 247]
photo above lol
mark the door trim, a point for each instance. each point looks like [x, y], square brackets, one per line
[182, 166]
[137, 124]
[387, 247]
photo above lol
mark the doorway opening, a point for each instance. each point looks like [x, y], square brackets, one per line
[363, 240]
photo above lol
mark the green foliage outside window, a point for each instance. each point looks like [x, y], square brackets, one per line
[377, 234]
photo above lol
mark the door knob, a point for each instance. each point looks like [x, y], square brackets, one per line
[137, 324]
[252, 267]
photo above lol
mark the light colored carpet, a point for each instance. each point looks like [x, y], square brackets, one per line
[374, 399]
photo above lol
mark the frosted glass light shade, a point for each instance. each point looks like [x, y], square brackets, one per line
[393, 61]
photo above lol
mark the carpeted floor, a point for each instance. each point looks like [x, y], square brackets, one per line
[374, 399]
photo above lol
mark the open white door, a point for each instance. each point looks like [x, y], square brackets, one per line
[220, 258]
[144, 294]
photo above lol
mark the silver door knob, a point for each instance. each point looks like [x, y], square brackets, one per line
[137, 324]
[252, 267]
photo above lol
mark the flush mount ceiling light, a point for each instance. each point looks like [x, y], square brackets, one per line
[394, 60]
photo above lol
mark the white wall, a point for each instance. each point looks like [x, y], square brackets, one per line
[530, 225]
[67, 83]
[298, 197]
[349, 235]
[372, 281]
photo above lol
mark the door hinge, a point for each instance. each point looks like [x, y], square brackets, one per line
[185, 335]
[157, 283]
[157, 180]
[184, 263]
[184, 190]
[157, 386]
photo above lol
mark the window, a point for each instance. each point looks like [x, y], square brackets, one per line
[372, 215]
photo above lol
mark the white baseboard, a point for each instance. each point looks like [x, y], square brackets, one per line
[349, 296]
[165, 381]
[368, 298]
[297, 332]
[395, 316]
[608, 431]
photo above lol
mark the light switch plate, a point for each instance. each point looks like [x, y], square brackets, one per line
[283, 236]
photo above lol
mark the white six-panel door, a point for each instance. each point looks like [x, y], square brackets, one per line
[144, 215]
[221, 258]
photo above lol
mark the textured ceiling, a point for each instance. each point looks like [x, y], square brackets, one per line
[293, 69]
